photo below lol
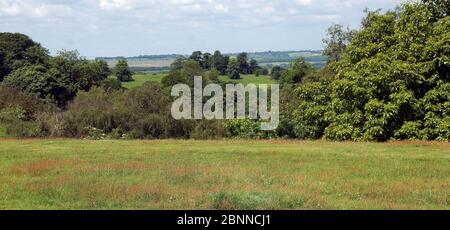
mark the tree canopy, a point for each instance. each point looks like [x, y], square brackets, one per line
[18, 50]
[392, 80]
[122, 71]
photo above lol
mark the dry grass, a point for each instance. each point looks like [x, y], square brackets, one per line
[231, 174]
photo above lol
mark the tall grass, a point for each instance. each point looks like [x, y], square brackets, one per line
[75, 174]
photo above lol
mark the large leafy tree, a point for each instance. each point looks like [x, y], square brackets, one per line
[197, 56]
[438, 8]
[253, 66]
[83, 74]
[233, 69]
[122, 71]
[393, 79]
[18, 50]
[242, 63]
[45, 83]
[206, 61]
[298, 69]
[220, 62]
[185, 75]
[60, 78]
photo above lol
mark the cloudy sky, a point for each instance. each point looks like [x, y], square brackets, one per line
[135, 27]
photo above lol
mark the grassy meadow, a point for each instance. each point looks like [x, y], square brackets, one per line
[248, 79]
[140, 79]
[229, 174]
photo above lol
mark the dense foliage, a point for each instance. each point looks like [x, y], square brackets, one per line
[392, 81]
[18, 50]
[122, 71]
[28, 67]
[389, 80]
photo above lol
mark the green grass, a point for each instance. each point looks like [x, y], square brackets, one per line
[169, 174]
[249, 79]
[140, 79]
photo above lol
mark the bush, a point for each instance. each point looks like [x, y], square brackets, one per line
[110, 85]
[19, 128]
[9, 114]
[141, 113]
[411, 130]
[241, 128]
[151, 126]
[207, 130]
[117, 134]
[92, 133]
[13, 119]
[13, 97]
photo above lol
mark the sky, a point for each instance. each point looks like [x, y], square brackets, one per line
[140, 27]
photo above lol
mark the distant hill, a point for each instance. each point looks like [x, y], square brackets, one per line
[158, 63]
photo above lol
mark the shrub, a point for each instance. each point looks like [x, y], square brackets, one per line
[13, 97]
[410, 131]
[151, 126]
[89, 109]
[9, 114]
[206, 130]
[111, 84]
[92, 133]
[241, 128]
[342, 132]
[13, 119]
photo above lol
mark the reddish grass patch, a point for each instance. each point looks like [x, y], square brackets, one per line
[41, 167]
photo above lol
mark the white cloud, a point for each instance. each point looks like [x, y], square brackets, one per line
[32, 9]
[101, 27]
[117, 4]
[303, 2]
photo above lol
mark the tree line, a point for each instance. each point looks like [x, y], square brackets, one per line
[390, 79]
[224, 64]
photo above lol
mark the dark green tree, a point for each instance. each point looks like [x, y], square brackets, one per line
[220, 62]
[185, 75]
[242, 63]
[438, 8]
[253, 66]
[234, 75]
[197, 56]
[42, 82]
[393, 81]
[3, 67]
[18, 50]
[233, 69]
[298, 69]
[277, 72]
[83, 74]
[122, 71]
[206, 62]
